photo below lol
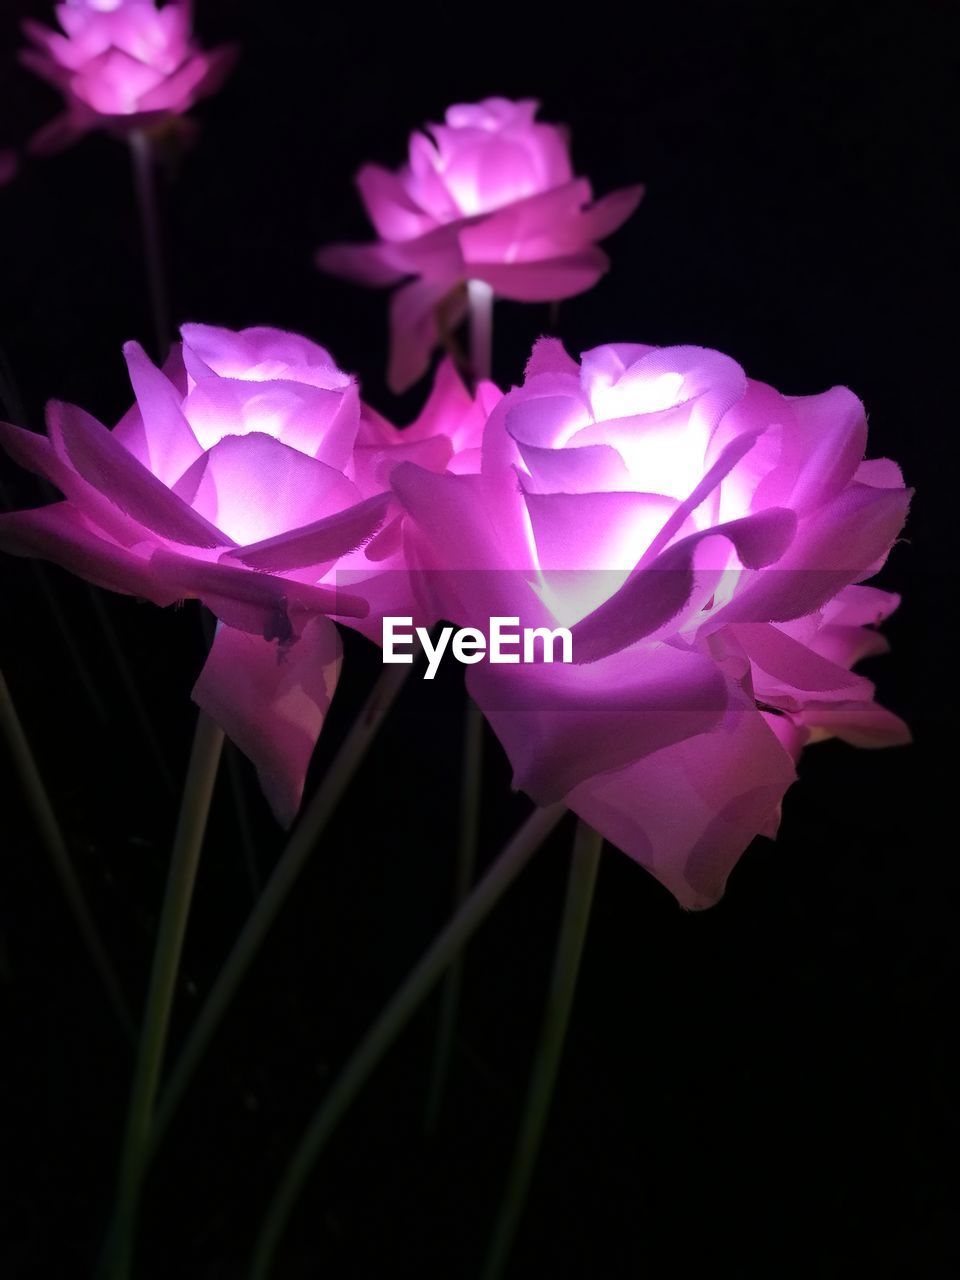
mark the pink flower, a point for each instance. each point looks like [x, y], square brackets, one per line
[8, 165]
[489, 195]
[228, 480]
[121, 65]
[705, 539]
[446, 437]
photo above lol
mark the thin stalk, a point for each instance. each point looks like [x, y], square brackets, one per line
[480, 299]
[191, 827]
[141, 152]
[384, 1031]
[277, 889]
[573, 932]
[470, 778]
[35, 794]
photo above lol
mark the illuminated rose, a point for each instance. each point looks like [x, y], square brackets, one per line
[228, 481]
[489, 195]
[121, 65]
[705, 539]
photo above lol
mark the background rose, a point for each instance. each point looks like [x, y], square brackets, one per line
[228, 480]
[703, 536]
[489, 195]
[121, 65]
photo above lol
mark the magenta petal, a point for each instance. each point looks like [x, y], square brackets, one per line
[60, 533]
[656, 593]
[550, 280]
[394, 215]
[550, 357]
[554, 721]
[325, 540]
[835, 546]
[273, 607]
[413, 331]
[861, 724]
[106, 464]
[369, 264]
[271, 701]
[254, 487]
[611, 211]
[688, 812]
[830, 437]
[170, 444]
[789, 671]
[37, 454]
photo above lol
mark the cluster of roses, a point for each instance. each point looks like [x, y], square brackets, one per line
[704, 536]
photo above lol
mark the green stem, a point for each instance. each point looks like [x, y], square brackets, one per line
[191, 827]
[38, 801]
[470, 788]
[418, 985]
[277, 889]
[573, 931]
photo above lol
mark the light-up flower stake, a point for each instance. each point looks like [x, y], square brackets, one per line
[489, 196]
[226, 481]
[706, 539]
[121, 65]
[129, 67]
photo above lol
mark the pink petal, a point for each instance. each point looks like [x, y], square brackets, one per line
[550, 280]
[369, 264]
[390, 208]
[115, 473]
[271, 701]
[253, 487]
[654, 595]
[274, 607]
[169, 442]
[60, 533]
[833, 547]
[688, 812]
[554, 721]
[324, 541]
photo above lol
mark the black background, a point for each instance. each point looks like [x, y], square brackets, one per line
[765, 1089]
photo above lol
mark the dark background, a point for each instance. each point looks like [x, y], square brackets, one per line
[765, 1089]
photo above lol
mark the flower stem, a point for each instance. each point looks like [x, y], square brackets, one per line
[141, 151]
[573, 930]
[277, 889]
[39, 803]
[417, 986]
[191, 827]
[470, 780]
[480, 297]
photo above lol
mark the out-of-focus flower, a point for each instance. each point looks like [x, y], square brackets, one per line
[229, 480]
[705, 539]
[121, 65]
[489, 195]
[8, 165]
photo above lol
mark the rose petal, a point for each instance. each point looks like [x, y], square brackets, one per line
[271, 701]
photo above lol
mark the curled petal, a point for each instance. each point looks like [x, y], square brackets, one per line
[271, 701]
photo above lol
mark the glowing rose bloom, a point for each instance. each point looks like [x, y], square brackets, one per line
[489, 195]
[704, 538]
[445, 437]
[121, 65]
[229, 481]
